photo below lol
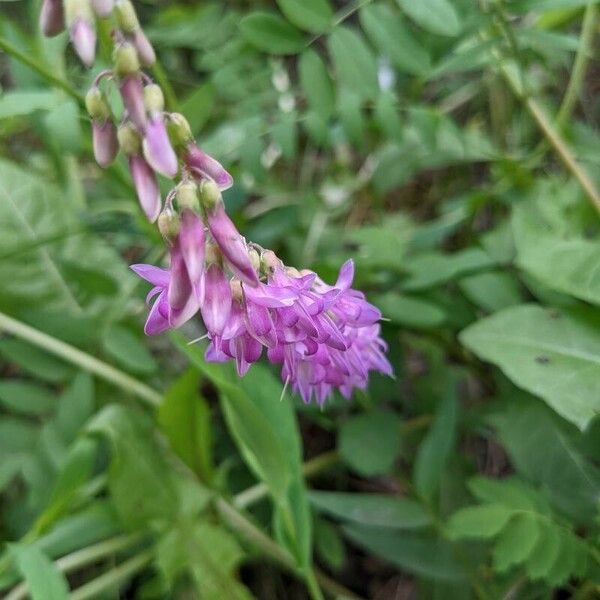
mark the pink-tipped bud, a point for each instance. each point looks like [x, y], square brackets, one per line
[231, 244]
[103, 8]
[52, 17]
[83, 37]
[144, 48]
[191, 241]
[204, 166]
[132, 92]
[105, 142]
[146, 186]
[216, 305]
[157, 148]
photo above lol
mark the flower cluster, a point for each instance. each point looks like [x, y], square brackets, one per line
[325, 337]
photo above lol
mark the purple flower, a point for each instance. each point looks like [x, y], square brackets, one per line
[144, 48]
[104, 142]
[157, 148]
[52, 17]
[191, 242]
[83, 36]
[231, 244]
[204, 166]
[146, 186]
[132, 92]
[216, 301]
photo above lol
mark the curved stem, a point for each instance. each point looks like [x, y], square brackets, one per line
[42, 70]
[580, 65]
[80, 358]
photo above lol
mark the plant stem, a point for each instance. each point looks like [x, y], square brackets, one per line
[80, 358]
[579, 66]
[113, 578]
[41, 69]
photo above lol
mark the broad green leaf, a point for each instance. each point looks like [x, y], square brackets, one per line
[139, 476]
[387, 115]
[329, 545]
[483, 521]
[437, 16]
[34, 361]
[75, 406]
[198, 106]
[545, 552]
[354, 63]
[311, 15]
[64, 126]
[184, 417]
[285, 134]
[26, 397]
[350, 111]
[409, 310]
[370, 443]
[127, 349]
[271, 33]
[435, 449]
[423, 555]
[508, 491]
[516, 542]
[388, 32]
[380, 510]
[552, 354]
[546, 5]
[44, 580]
[16, 435]
[16, 103]
[491, 291]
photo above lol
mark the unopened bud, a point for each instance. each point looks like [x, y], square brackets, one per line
[254, 258]
[210, 196]
[154, 101]
[103, 8]
[132, 93]
[144, 48]
[126, 60]
[126, 16]
[77, 9]
[104, 142]
[83, 36]
[179, 129]
[96, 104]
[129, 139]
[187, 196]
[52, 17]
[168, 224]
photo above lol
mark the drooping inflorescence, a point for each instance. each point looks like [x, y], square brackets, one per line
[325, 337]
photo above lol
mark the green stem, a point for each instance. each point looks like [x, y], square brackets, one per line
[113, 578]
[579, 66]
[162, 80]
[42, 70]
[310, 468]
[80, 358]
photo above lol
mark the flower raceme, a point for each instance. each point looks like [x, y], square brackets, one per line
[325, 337]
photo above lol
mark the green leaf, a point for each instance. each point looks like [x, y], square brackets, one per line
[26, 397]
[16, 103]
[491, 291]
[34, 361]
[423, 555]
[545, 552]
[198, 106]
[435, 449]
[516, 542]
[377, 510]
[184, 417]
[75, 406]
[552, 354]
[314, 16]
[354, 63]
[329, 545]
[350, 111]
[483, 521]
[370, 444]
[44, 580]
[410, 311]
[388, 32]
[437, 16]
[125, 347]
[271, 33]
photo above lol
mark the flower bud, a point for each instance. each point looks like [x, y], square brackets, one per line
[83, 37]
[105, 142]
[204, 166]
[132, 92]
[103, 8]
[126, 16]
[129, 139]
[187, 196]
[169, 224]
[179, 129]
[144, 48]
[52, 17]
[125, 59]
[96, 104]
[210, 196]
[146, 186]
[154, 101]
[254, 258]
[157, 148]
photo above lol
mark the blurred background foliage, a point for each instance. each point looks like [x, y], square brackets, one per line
[451, 148]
